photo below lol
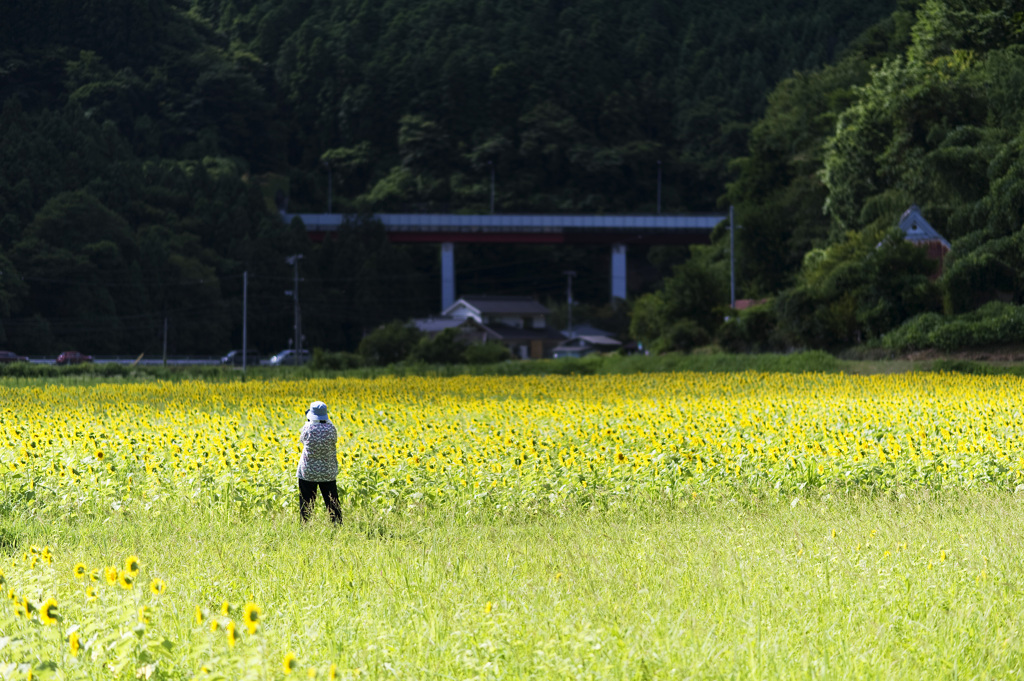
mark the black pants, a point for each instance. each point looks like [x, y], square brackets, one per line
[307, 498]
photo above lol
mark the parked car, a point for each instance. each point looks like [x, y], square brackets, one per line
[234, 358]
[8, 356]
[73, 357]
[288, 357]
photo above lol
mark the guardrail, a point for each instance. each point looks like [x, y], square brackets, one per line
[155, 361]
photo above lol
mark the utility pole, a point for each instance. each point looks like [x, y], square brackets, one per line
[569, 275]
[732, 261]
[245, 320]
[659, 187]
[294, 261]
[491, 164]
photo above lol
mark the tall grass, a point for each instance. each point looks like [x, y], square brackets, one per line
[911, 588]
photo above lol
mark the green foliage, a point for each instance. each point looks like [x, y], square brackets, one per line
[491, 352]
[446, 347]
[993, 324]
[572, 106]
[323, 360]
[390, 343]
[683, 335]
[856, 290]
[686, 312]
[159, 119]
[751, 330]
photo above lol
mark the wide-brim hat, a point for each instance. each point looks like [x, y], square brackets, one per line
[317, 411]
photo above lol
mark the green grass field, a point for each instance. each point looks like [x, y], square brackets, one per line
[835, 588]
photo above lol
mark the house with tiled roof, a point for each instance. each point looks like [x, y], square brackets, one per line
[519, 322]
[919, 232]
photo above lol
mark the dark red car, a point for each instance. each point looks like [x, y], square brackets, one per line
[73, 357]
[8, 356]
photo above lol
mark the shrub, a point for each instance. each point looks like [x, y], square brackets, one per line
[750, 330]
[490, 352]
[334, 361]
[446, 347]
[995, 323]
[684, 335]
[390, 343]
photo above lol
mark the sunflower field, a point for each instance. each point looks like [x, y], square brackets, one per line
[149, 530]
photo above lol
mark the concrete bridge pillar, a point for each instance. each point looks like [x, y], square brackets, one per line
[618, 271]
[447, 275]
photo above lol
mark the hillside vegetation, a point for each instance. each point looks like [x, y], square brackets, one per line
[146, 145]
[928, 112]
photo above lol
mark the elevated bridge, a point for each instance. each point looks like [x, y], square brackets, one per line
[617, 231]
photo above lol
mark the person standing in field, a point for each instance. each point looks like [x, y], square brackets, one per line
[318, 465]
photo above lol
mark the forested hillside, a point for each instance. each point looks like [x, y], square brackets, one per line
[143, 144]
[928, 110]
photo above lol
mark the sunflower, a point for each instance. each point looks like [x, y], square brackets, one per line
[80, 570]
[157, 586]
[144, 614]
[251, 617]
[110, 574]
[225, 609]
[199, 616]
[90, 594]
[94, 575]
[289, 663]
[214, 623]
[232, 634]
[126, 581]
[332, 672]
[73, 643]
[131, 566]
[48, 613]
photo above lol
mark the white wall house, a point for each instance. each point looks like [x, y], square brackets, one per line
[514, 311]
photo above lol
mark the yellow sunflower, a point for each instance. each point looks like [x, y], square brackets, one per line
[157, 586]
[90, 594]
[251, 617]
[143, 614]
[232, 634]
[80, 570]
[289, 663]
[48, 613]
[110, 574]
[131, 566]
[125, 580]
[74, 644]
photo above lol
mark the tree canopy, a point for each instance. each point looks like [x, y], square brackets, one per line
[145, 147]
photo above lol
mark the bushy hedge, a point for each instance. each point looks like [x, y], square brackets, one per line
[995, 323]
[324, 360]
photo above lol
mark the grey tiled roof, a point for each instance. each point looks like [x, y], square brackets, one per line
[917, 229]
[436, 324]
[505, 305]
